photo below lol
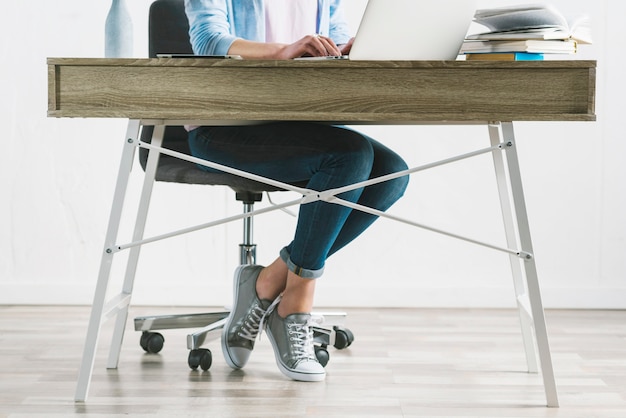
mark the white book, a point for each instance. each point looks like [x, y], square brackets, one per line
[541, 22]
[525, 45]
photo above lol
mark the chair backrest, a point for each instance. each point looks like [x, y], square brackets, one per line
[168, 33]
[168, 28]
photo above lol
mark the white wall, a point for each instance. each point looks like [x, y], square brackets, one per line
[57, 178]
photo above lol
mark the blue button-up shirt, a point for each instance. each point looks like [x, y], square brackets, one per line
[215, 24]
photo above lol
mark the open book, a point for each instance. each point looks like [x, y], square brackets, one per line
[537, 22]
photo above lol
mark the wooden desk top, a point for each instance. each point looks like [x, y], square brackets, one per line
[393, 92]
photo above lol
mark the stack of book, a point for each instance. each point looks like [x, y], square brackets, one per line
[525, 33]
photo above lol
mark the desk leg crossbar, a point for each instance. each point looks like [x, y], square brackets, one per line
[519, 245]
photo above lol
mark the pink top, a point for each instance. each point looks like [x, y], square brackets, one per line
[286, 21]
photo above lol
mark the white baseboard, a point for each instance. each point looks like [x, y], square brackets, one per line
[556, 298]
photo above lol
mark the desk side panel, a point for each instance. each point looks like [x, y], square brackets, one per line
[592, 92]
[359, 94]
[53, 93]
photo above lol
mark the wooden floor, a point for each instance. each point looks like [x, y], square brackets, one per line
[403, 363]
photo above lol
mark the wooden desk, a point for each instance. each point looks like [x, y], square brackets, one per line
[328, 91]
[203, 91]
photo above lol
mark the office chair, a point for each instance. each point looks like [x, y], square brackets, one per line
[168, 34]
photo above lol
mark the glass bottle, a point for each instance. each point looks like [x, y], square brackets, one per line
[118, 31]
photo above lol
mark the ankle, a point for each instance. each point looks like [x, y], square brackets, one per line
[293, 305]
[297, 297]
[267, 287]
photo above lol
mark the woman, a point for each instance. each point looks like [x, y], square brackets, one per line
[280, 296]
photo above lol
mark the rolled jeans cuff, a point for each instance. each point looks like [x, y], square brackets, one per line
[298, 270]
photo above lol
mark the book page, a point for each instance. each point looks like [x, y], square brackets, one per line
[519, 18]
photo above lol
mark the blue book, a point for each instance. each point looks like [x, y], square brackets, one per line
[504, 56]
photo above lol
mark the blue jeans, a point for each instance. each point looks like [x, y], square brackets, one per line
[321, 156]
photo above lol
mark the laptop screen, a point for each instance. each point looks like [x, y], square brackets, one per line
[412, 29]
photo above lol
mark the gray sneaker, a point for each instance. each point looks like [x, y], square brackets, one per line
[292, 339]
[242, 325]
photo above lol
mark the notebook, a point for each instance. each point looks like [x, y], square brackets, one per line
[412, 29]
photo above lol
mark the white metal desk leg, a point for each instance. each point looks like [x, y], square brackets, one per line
[510, 230]
[97, 309]
[133, 257]
[529, 266]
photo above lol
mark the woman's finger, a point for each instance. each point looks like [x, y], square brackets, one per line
[329, 46]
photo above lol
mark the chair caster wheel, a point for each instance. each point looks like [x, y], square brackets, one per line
[322, 355]
[201, 357]
[151, 342]
[343, 338]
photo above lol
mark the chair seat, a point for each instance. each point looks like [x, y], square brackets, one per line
[174, 170]
[179, 171]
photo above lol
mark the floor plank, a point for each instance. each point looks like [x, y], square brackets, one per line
[403, 363]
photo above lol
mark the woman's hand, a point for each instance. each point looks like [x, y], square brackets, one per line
[310, 46]
[345, 48]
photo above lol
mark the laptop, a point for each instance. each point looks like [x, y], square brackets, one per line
[412, 30]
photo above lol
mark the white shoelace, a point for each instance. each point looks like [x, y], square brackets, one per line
[301, 337]
[251, 326]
